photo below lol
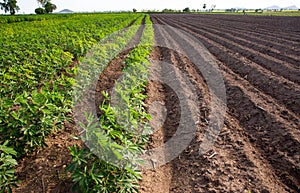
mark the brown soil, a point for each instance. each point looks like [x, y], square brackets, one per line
[45, 171]
[258, 149]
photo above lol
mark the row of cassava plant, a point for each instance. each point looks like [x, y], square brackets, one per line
[118, 137]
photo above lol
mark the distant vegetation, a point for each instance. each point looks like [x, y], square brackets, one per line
[10, 6]
[48, 7]
[186, 9]
[238, 11]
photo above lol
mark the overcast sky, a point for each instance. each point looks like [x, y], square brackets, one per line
[28, 6]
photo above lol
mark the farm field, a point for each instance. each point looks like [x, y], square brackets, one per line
[44, 58]
[39, 65]
[258, 149]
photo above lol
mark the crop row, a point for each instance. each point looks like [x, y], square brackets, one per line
[37, 67]
[118, 137]
[30, 18]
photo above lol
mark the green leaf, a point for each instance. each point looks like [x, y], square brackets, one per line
[8, 150]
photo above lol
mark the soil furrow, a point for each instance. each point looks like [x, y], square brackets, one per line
[284, 91]
[258, 150]
[273, 38]
[262, 99]
[281, 53]
[283, 46]
[265, 61]
[258, 24]
[166, 175]
[266, 133]
[251, 158]
[266, 103]
[268, 124]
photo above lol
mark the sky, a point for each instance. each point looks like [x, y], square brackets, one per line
[28, 6]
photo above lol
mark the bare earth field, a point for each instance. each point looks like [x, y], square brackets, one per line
[258, 150]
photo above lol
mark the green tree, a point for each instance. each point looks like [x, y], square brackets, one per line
[186, 9]
[40, 10]
[49, 7]
[10, 6]
[134, 10]
[42, 2]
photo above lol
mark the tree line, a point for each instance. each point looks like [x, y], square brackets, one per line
[187, 9]
[11, 6]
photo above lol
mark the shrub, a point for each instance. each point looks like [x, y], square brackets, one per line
[186, 9]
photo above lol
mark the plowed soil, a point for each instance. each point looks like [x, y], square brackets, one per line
[258, 150]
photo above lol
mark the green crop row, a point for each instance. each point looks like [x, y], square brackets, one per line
[29, 18]
[38, 63]
[21, 18]
[99, 57]
[36, 73]
[116, 140]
